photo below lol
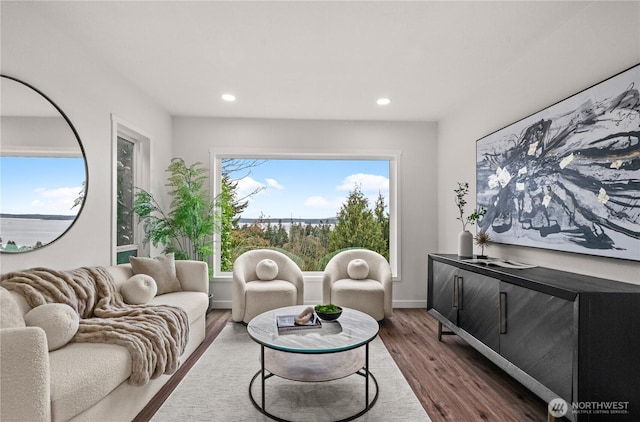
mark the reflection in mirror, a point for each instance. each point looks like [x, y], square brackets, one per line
[43, 173]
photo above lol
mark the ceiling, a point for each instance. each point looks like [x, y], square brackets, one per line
[309, 60]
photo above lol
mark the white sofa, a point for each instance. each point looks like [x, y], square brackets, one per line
[88, 381]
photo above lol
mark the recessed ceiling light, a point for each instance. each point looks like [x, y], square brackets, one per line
[228, 97]
[383, 101]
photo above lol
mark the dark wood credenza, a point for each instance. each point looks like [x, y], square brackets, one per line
[560, 334]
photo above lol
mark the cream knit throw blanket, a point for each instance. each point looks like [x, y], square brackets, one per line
[155, 336]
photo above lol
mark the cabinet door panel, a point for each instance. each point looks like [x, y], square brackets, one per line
[538, 336]
[443, 294]
[478, 307]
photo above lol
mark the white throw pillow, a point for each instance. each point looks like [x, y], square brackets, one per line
[267, 269]
[58, 320]
[358, 269]
[139, 289]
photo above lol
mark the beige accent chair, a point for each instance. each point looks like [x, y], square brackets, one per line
[264, 279]
[359, 279]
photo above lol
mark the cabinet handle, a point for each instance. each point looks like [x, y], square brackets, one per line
[455, 291]
[460, 292]
[502, 313]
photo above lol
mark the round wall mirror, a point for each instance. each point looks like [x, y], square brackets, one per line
[43, 171]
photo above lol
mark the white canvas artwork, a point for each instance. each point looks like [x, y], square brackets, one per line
[568, 177]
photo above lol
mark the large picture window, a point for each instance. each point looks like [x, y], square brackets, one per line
[309, 206]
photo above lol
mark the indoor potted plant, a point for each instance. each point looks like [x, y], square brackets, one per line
[465, 238]
[187, 228]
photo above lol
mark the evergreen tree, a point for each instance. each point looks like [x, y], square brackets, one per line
[281, 237]
[228, 222]
[233, 241]
[11, 247]
[322, 233]
[231, 209]
[382, 218]
[357, 226]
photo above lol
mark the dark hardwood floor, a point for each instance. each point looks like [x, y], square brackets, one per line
[452, 380]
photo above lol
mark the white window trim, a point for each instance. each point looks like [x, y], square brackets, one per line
[217, 154]
[36, 151]
[142, 177]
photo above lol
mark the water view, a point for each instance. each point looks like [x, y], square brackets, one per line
[29, 231]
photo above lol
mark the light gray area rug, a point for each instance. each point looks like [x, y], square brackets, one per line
[217, 389]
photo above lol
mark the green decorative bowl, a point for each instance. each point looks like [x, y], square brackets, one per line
[329, 316]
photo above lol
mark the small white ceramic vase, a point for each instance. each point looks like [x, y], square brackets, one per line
[465, 244]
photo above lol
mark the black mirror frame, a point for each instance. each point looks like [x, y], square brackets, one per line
[84, 155]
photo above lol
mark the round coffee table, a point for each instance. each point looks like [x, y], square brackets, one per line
[338, 349]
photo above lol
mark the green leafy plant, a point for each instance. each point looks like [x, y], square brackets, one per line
[327, 309]
[187, 228]
[461, 193]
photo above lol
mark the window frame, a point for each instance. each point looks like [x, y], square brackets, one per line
[394, 158]
[141, 179]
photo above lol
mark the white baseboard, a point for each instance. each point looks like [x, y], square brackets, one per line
[409, 304]
[226, 304]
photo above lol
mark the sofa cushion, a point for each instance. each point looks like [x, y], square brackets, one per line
[10, 314]
[363, 295]
[358, 269]
[261, 297]
[195, 304]
[58, 320]
[161, 268]
[82, 374]
[139, 289]
[102, 367]
[267, 269]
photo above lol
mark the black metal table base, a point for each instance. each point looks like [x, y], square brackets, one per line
[279, 419]
[263, 375]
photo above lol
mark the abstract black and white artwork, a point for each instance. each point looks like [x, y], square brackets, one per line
[568, 177]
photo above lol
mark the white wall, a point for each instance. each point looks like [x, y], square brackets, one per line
[38, 135]
[416, 142]
[601, 41]
[88, 92]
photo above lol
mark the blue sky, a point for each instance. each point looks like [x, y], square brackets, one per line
[311, 188]
[40, 185]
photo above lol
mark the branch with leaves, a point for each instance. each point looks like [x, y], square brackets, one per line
[461, 193]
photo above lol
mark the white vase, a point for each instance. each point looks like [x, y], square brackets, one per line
[465, 244]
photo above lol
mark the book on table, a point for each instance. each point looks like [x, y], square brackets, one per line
[288, 323]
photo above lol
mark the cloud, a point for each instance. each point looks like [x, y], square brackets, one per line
[273, 183]
[246, 185]
[59, 193]
[56, 201]
[322, 203]
[367, 182]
